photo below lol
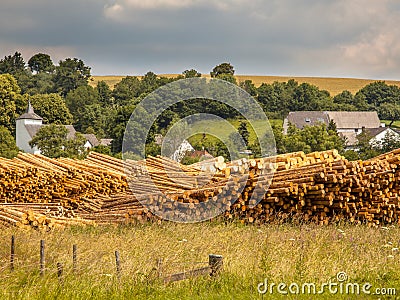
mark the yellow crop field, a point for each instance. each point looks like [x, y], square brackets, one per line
[333, 85]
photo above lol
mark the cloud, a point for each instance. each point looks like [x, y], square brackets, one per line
[304, 37]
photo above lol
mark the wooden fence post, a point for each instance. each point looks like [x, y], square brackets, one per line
[60, 272]
[215, 262]
[118, 263]
[41, 257]
[159, 267]
[12, 253]
[74, 258]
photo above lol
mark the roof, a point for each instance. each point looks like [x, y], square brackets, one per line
[106, 142]
[375, 131]
[29, 114]
[92, 139]
[34, 128]
[200, 154]
[350, 137]
[71, 132]
[307, 118]
[354, 119]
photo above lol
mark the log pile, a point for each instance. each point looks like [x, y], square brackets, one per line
[322, 187]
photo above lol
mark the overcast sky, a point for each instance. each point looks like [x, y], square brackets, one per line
[359, 38]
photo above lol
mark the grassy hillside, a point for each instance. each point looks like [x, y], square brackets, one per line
[280, 253]
[332, 85]
[219, 130]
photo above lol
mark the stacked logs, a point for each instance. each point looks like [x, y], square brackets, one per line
[323, 187]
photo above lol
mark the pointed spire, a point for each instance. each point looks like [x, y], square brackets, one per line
[30, 113]
[29, 109]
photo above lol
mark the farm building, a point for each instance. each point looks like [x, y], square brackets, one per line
[348, 123]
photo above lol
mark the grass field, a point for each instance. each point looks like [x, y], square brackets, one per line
[281, 253]
[333, 85]
[219, 130]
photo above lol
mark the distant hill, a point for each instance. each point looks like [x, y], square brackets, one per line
[333, 85]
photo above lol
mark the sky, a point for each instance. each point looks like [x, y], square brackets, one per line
[325, 38]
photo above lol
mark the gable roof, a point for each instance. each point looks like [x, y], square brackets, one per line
[342, 119]
[350, 137]
[34, 128]
[29, 114]
[92, 139]
[106, 142]
[307, 118]
[375, 131]
[354, 119]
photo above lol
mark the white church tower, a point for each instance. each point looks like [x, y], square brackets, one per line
[27, 125]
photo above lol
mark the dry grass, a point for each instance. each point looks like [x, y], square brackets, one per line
[286, 253]
[333, 85]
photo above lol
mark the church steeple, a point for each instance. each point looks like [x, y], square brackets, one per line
[30, 113]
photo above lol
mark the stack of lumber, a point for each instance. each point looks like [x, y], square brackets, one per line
[322, 187]
[38, 216]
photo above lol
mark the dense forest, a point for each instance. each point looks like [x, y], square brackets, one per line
[61, 94]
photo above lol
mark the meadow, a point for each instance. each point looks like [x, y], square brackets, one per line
[217, 128]
[333, 85]
[286, 253]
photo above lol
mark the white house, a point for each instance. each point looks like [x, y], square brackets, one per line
[378, 134]
[29, 123]
[348, 123]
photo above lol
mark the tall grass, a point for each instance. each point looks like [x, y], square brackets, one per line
[281, 253]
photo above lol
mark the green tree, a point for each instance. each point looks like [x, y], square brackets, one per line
[8, 147]
[127, 89]
[389, 111]
[52, 108]
[191, 73]
[104, 94]
[224, 68]
[40, 83]
[11, 101]
[377, 93]
[41, 62]
[71, 74]
[365, 148]
[312, 138]
[77, 102]
[12, 64]
[52, 140]
[249, 87]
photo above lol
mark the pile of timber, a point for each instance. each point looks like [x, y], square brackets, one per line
[322, 187]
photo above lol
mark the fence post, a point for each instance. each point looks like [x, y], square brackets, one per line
[159, 267]
[215, 262]
[60, 272]
[12, 253]
[118, 263]
[41, 257]
[74, 258]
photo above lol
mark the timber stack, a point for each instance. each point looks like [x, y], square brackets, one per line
[322, 187]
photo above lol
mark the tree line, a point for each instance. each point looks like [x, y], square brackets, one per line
[61, 94]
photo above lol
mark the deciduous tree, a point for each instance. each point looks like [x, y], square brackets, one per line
[8, 147]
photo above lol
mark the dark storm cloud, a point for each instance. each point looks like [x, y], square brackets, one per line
[303, 37]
